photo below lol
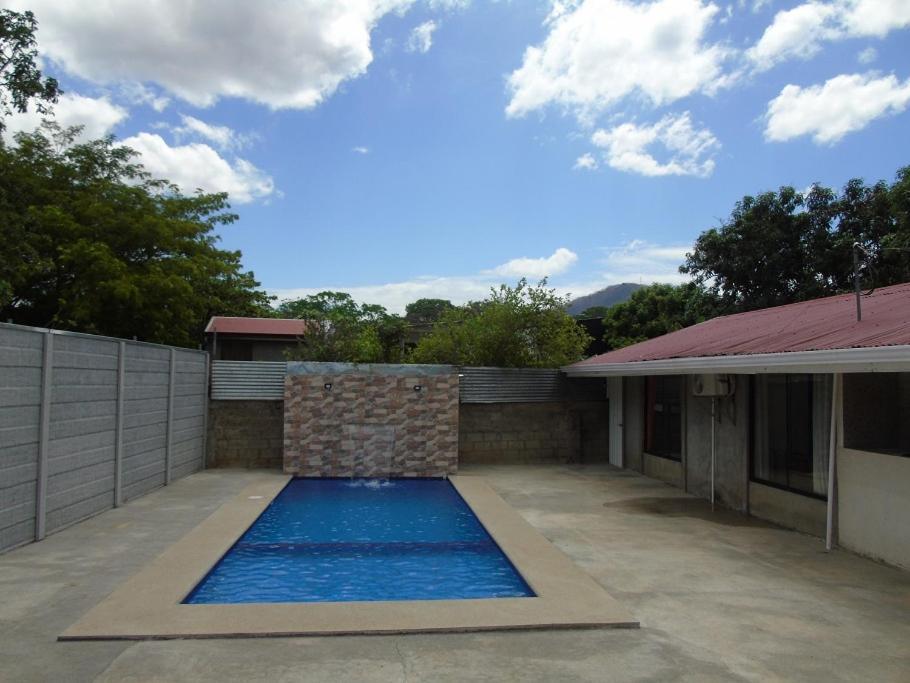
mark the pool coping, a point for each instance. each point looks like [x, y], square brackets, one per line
[148, 605]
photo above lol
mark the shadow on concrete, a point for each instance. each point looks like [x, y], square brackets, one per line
[676, 506]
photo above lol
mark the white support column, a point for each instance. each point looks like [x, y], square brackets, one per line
[171, 388]
[47, 369]
[205, 412]
[118, 443]
[837, 383]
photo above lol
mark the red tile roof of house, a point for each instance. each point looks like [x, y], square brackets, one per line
[817, 325]
[279, 327]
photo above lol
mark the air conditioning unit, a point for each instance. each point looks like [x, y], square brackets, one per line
[713, 385]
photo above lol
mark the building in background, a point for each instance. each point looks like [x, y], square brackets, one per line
[263, 339]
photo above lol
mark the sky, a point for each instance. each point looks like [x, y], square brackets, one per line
[399, 149]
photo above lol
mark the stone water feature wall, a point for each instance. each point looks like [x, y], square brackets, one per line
[343, 420]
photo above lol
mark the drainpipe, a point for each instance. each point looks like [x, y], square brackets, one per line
[713, 454]
[832, 464]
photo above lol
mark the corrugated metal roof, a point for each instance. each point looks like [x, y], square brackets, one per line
[282, 327]
[818, 325]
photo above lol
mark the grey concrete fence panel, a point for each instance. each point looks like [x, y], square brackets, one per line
[89, 422]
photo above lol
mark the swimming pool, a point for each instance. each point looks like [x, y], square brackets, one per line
[340, 540]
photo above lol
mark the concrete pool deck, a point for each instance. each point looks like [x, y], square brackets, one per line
[149, 605]
[719, 597]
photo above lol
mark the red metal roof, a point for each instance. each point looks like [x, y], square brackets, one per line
[280, 327]
[820, 324]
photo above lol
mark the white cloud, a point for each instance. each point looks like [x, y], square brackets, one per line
[223, 137]
[421, 38]
[97, 115]
[360, 150]
[137, 93]
[867, 56]
[198, 166]
[281, 54]
[800, 32]
[645, 262]
[586, 162]
[841, 105]
[627, 147]
[558, 262]
[598, 52]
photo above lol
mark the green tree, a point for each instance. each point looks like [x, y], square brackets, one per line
[339, 329]
[783, 247]
[426, 311]
[521, 326]
[656, 310]
[593, 312]
[20, 79]
[90, 242]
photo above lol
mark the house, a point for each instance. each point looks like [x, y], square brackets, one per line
[264, 339]
[798, 414]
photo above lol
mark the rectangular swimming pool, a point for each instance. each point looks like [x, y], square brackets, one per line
[340, 540]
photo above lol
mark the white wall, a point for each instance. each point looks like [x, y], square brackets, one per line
[874, 505]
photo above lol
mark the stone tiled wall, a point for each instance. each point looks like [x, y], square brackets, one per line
[245, 434]
[371, 422]
[556, 431]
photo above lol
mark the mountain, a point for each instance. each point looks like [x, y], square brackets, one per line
[608, 296]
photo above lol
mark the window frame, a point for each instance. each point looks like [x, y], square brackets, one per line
[646, 421]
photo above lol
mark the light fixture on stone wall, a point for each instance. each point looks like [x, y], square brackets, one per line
[417, 387]
[327, 386]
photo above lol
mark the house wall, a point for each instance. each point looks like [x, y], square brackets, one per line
[633, 422]
[533, 432]
[790, 510]
[371, 421]
[731, 444]
[873, 511]
[664, 469]
[245, 434]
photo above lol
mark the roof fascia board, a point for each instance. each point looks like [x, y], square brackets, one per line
[876, 359]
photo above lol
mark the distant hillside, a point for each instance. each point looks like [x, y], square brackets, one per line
[608, 296]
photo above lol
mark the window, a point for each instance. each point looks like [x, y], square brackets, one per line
[791, 415]
[877, 412]
[663, 416]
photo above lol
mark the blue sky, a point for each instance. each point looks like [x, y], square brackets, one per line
[405, 148]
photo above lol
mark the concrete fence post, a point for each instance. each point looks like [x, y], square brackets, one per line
[205, 412]
[47, 368]
[118, 443]
[171, 387]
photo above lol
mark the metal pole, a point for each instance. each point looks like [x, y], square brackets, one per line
[713, 456]
[832, 461]
[44, 436]
[170, 419]
[856, 286]
[118, 444]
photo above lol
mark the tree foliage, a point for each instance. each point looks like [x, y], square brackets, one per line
[656, 310]
[784, 246]
[90, 242]
[21, 80]
[426, 311]
[339, 329]
[521, 326]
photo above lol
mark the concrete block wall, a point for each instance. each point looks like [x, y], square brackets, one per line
[246, 434]
[557, 431]
[344, 420]
[89, 422]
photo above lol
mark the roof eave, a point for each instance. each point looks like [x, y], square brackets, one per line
[872, 359]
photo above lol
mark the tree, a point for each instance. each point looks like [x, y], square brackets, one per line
[20, 79]
[656, 310]
[426, 311]
[90, 242]
[593, 312]
[339, 329]
[521, 326]
[783, 247]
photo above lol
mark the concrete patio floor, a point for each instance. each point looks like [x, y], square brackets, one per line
[719, 596]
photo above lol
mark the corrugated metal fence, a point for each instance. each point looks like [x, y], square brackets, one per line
[89, 422]
[264, 381]
[238, 380]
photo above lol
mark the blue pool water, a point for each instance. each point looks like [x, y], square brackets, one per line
[335, 540]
